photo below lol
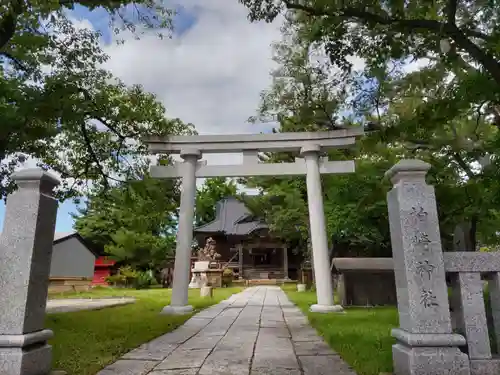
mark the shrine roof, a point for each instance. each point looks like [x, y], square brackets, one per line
[232, 218]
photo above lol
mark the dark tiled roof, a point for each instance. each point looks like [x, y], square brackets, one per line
[232, 218]
[63, 236]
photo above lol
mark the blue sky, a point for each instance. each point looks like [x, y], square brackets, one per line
[64, 220]
[100, 21]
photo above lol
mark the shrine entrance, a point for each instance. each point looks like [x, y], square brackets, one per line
[311, 147]
[261, 259]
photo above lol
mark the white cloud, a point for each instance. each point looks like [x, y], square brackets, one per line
[211, 75]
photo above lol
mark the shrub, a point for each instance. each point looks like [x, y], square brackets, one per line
[116, 280]
[227, 277]
[125, 277]
[144, 280]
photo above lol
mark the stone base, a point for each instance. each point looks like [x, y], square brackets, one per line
[485, 366]
[326, 308]
[206, 291]
[197, 280]
[177, 310]
[301, 287]
[18, 361]
[423, 360]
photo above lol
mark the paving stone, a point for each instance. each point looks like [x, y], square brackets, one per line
[220, 369]
[273, 324]
[278, 358]
[243, 336]
[248, 334]
[275, 332]
[245, 347]
[324, 365]
[215, 331]
[151, 351]
[231, 310]
[297, 323]
[197, 322]
[179, 336]
[201, 341]
[250, 325]
[186, 371]
[230, 362]
[218, 327]
[303, 334]
[239, 304]
[210, 313]
[128, 367]
[286, 304]
[312, 348]
[275, 371]
[180, 359]
[274, 344]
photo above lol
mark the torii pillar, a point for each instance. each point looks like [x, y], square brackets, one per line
[179, 301]
[319, 240]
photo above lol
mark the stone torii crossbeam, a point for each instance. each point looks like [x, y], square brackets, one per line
[311, 145]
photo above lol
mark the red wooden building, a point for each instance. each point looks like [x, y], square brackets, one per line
[102, 269]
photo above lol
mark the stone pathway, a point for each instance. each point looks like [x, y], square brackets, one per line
[256, 332]
[70, 305]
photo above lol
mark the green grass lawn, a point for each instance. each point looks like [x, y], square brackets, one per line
[362, 336]
[86, 341]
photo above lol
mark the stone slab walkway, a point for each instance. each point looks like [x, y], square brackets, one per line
[256, 332]
[70, 305]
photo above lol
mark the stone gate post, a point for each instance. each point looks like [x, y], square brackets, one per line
[25, 257]
[425, 343]
[182, 267]
[319, 241]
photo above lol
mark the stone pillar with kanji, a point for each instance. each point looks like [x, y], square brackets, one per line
[25, 258]
[425, 343]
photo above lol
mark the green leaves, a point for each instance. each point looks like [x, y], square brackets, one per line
[134, 222]
[424, 102]
[57, 103]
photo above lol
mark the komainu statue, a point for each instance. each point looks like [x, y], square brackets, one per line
[208, 253]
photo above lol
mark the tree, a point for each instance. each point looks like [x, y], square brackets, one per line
[57, 103]
[305, 95]
[382, 30]
[212, 191]
[134, 222]
[446, 113]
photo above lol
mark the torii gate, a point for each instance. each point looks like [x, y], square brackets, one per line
[309, 144]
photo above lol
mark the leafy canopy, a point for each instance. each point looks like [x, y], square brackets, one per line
[60, 106]
[134, 222]
[444, 113]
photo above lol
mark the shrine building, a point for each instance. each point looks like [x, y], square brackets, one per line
[245, 246]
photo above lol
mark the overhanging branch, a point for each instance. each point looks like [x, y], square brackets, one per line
[93, 155]
[8, 22]
[451, 11]
[459, 35]
[14, 60]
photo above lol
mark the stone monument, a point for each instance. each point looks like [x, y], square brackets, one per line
[25, 256]
[206, 256]
[425, 342]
